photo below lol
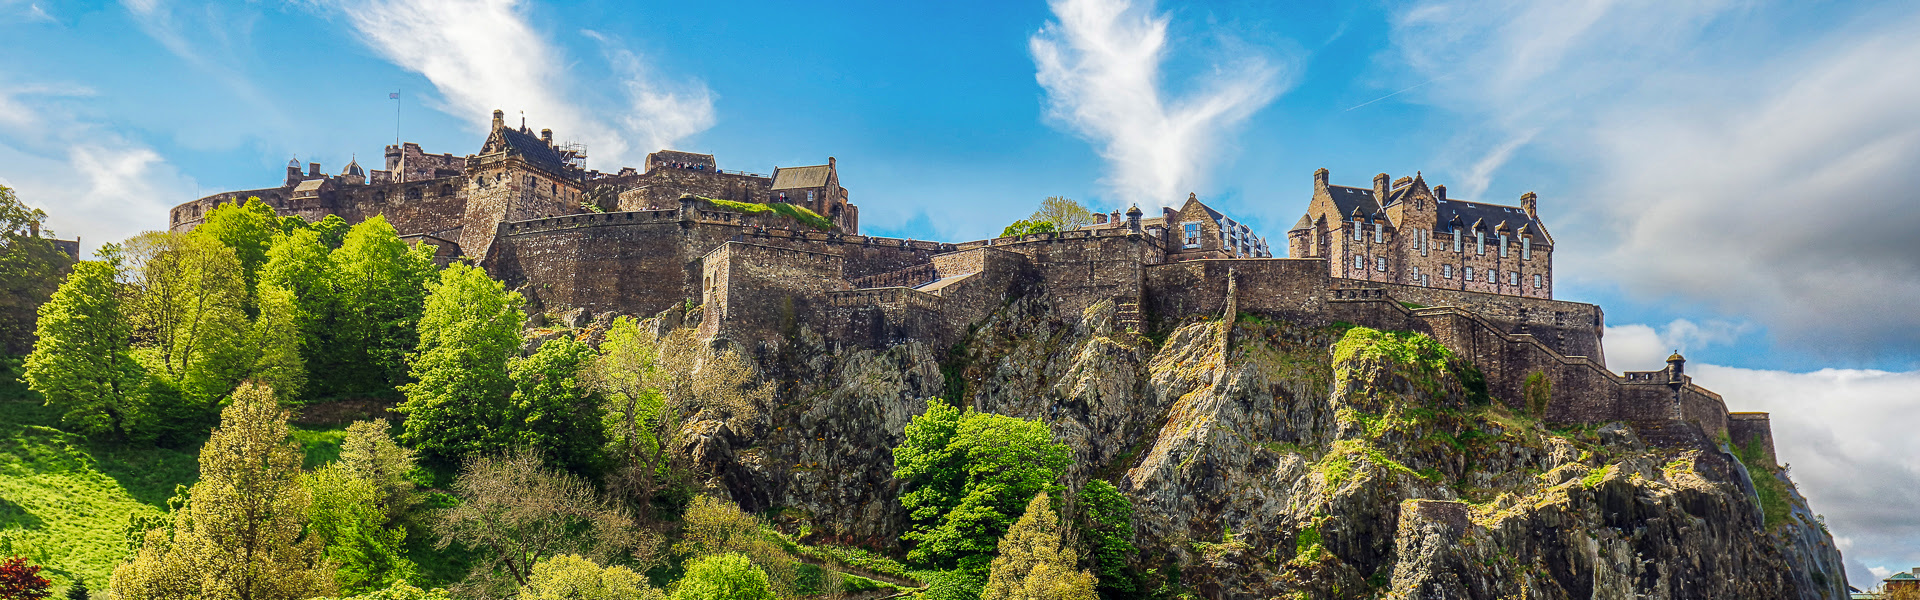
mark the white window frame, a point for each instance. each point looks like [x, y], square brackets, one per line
[1446, 271]
[1480, 241]
[1380, 263]
[1536, 281]
[1191, 231]
[1378, 230]
[1456, 239]
[1356, 231]
[1359, 262]
[1513, 278]
[1526, 247]
[1503, 245]
[1469, 274]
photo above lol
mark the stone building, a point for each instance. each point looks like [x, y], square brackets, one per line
[1409, 234]
[1194, 231]
[1399, 256]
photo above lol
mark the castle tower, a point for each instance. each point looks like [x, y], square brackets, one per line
[1676, 369]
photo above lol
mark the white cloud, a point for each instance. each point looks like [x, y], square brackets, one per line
[484, 54]
[1636, 347]
[1099, 62]
[94, 182]
[26, 11]
[1848, 438]
[1712, 152]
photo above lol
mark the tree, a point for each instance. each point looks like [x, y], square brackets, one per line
[370, 455]
[967, 474]
[249, 229]
[78, 591]
[714, 526]
[83, 360]
[640, 420]
[1025, 226]
[22, 581]
[377, 285]
[332, 230]
[517, 512]
[189, 305]
[275, 339]
[556, 412]
[1033, 564]
[30, 270]
[728, 576]
[347, 514]
[296, 271]
[1063, 213]
[1106, 530]
[241, 535]
[458, 403]
[573, 577]
[402, 591]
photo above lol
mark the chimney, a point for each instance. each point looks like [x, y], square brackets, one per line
[1440, 193]
[499, 118]
[830, 164]
[1530, 203]
[313, 170]
[1380, 188]
[546, 135]
[1099, 218]
[1320, 180]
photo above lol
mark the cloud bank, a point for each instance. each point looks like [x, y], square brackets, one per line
[1718, 159]
[1099, 62]
[485, 54]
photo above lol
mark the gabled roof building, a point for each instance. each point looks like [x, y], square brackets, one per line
[1407, 233]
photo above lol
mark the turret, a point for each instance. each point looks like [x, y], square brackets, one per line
[1133, 219]
[1676, 369]
[293, 171]
[1530, 203]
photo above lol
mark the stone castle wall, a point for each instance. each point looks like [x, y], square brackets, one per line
[1570, 328]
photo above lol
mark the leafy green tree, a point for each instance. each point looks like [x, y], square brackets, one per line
[458, 404]
[1027, 226]
[1062, 213]
[729, 576]
[78, 591]
[370, 455]
[189, 303]
[347, 514]
[402, 591]
[1106, 530]
[30, 271]
[515, 513]
[715, 526]
[242, 534]
[297, 269]
[1033, 564]
[332, 230]
[555, 411]
[249, 229]
[639, 418]
[967, 475]
[83, 361]
[378, 284]
[574, 577]
[275, 339]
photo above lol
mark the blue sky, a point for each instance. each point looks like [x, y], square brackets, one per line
[1733, 179]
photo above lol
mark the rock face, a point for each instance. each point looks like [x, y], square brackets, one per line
[1267, 459]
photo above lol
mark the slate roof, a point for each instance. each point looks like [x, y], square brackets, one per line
[801, 177]
[534, 151]
[1491, 214]
[676, 156]
[1348, 198]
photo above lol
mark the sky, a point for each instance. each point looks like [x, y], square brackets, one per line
[1730, 179]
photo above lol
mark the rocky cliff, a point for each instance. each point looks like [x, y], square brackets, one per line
[1270, 459]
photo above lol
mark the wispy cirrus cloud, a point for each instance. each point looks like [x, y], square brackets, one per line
[1100, 64]
[485, 54]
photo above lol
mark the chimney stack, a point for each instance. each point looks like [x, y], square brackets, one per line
[313, 170]
[1320, 180]
[1440, 193]
[1380, 189]
[546, 135]
[499, 119]
[1530, 203]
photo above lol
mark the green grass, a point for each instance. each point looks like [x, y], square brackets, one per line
[65, 501]
[320, 445]
[797, 213]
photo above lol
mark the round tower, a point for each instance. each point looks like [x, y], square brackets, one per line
[1676, 368]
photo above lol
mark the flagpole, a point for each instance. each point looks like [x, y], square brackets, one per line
[396, 118]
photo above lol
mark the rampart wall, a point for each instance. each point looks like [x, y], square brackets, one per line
[1296, 289]
[758, 292]
[1753, 431]
[1570, 328]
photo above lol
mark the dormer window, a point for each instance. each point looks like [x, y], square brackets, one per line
[1192, 231]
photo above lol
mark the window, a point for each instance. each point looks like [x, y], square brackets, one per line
[1359, 262]
[809, 196]
[1380, 263]
[1192, 231]
[1469, 274]
[1446, 271]
[1526, 248]
[1536, 280]
[1356, 230]
[1493, 276]
[1513, 278]
[1480, 240]
[1503, 245]
[1377, 229]
[1456, 239]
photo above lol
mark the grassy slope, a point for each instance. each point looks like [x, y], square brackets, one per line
[65, 502]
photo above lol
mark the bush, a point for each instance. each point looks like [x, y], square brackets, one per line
[729, 576]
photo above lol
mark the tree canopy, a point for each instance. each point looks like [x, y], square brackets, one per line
[30, 271]
[1033, 564]
[458, 404]
[968, 475]
[83, 361]
[1063, 213]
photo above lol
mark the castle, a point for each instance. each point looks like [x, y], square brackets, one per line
[1400, 256]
